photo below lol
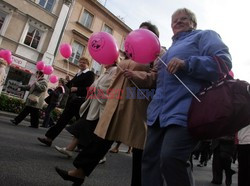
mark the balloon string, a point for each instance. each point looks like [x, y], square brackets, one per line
[67, 67]
[180, 81]
[134, 84]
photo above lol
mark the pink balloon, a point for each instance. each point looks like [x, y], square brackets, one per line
[103, 48]
[53, 79]
[40, 65]
[65, 50]
[6, 55]
[142, 46]
[9, 60]
[48, 70]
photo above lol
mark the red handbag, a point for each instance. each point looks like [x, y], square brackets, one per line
[224, 109]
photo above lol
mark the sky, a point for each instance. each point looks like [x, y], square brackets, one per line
[229, 18]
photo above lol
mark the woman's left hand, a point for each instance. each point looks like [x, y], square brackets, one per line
[175, 64]
[129, 74]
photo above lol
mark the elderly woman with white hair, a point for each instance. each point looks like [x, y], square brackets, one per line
[192, 58]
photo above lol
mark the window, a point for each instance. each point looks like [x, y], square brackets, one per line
[33, 37]
[77, 51]
[47, 4]
[96, 68]
[106, 28]
[122, 45]
[86, 19]
[2, 18]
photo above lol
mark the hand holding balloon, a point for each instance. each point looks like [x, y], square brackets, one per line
[129, 74]
[175, 64]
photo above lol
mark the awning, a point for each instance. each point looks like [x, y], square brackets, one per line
[21, 68]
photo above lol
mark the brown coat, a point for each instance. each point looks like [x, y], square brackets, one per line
[125, 119]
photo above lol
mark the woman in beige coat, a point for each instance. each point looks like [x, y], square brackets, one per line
[123, 119]
[34, 100]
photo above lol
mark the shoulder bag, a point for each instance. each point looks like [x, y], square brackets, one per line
[224, 109]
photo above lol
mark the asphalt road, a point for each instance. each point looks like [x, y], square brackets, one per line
[26, 162]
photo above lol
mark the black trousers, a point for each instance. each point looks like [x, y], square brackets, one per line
[34, 115]
[136, 167]
[221, 161]
[47, 119]
[71, 110]
[94, 151]
[91, 154]
[244, 165]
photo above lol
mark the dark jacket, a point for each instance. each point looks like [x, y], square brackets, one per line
[55, 96]
[82, 82]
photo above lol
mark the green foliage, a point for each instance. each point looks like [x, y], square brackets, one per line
[11, 104]
[16, 105]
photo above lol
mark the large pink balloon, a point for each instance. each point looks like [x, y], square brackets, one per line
[103, 48]
[53, 79]
[48, 70]
[65, 50]
[142, 46]
[40, 65]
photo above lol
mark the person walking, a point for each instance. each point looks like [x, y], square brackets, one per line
[243, 147]
[78, 91]
[3, 65]
[191, 57]
[53, 100]
[90, 111]
[223, 150]
[34, 101]
[123, 120]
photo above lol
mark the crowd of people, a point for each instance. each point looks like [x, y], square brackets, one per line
[154, 128]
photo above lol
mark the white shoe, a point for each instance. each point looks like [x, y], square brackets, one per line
[64, 151]
[103, 160]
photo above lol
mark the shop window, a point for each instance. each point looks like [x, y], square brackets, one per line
[33, 37]
[77, 52]
[87, 19]
[14, 78]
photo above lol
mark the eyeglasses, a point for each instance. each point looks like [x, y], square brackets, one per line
[181, 19]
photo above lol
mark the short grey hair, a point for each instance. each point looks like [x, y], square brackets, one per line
[191, 15]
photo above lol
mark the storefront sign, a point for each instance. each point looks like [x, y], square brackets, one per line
[18, 61]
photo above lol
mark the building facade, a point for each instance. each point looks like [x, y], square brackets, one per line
[87, 17]
[30, 29]
[34, 29]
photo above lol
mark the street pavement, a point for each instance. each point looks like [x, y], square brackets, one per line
[26, 162]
